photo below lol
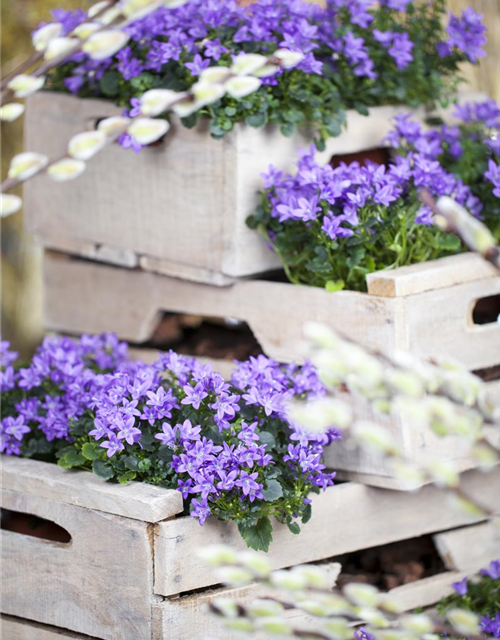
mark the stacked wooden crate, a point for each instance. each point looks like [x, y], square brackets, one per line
[172, 224]
[131, 571]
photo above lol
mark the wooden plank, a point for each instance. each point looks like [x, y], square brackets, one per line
[439, 323]
[99, 584]
[149, 356]
[368, 517]
[427, 276]
[186, 618]
[426, 592]
[79, 294]
[469, 548]
[18, 629]
[137, 500]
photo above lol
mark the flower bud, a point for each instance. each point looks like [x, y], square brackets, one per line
[406, 383]
[85, 145]
[214, 75]
[241, 86]
[173, 4]
[312, 574]
[45, 34]
[374, 436]
[335, 604]
[485, 456]
[134, 9]
[157, 101]
[465, 622]
[408, 473]
[105, 44]
[11, 111]
[185, 107]
[373, 616]
[320, 335]
[206, 93]
[24, 85]
[9, 204]
[473, 232]
[148, 130]
[226, 607]
[263, 608]
[66, 169]
[288, 58]
[97, 8]
[234, 576]
[239, 624]
[363, 595]
[217, 555]
[288, 580]
[467, 507]
[256, 562]
[320, 414]
[247, 63]
[113, 126]
[27, 164]
[61, 48]
[86, 29]
[274, 626]
[339, 628]
[313, 608]
[419, 624]
[266, 71]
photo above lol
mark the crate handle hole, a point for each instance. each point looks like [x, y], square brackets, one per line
[486, 310]
[30, 525]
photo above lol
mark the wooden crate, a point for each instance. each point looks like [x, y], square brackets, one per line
[178, 208]
[132, 553]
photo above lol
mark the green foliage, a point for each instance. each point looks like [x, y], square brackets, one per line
[258, 535]
[482, 597]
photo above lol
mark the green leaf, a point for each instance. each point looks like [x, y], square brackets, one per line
[258, 536]
[267, 438]
[293, 527]
[126, 477]
[110, 83]
[334, 285]
[306, 514]
[71, 459]
[131, 462]
[256, 120]
[273, 491]
[288, 129]
[91, 451]
[102, 469]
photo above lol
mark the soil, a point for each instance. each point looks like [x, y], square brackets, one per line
[392, 565]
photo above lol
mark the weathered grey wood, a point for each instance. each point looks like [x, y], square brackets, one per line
[345, 518]
[469, 548]
[18, 629]
[137, 500]
[99, 584]
[426, 592]
[186, 200]
[186, 618]
[429, 276]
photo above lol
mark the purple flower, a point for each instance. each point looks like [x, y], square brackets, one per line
[194, 396]
[15, 427]
[168, 435]
[214, 49]
[112, 445]
[491, 624]
[460, 587]
[197, 65]
[467, 34]
[401, 49]
[249, 486]
[493, 570]
[493, 175]
[200, 510]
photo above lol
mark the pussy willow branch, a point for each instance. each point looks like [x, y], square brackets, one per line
[45, 67]
[10, 183]
[492, 254]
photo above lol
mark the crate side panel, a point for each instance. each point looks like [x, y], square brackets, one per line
[99, 584]
[162, 202]
[345, 518]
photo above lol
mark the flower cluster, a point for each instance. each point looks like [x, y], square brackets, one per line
[470, 150]
[356, 54]
[226, 446]
[332, 226]
[481, 596]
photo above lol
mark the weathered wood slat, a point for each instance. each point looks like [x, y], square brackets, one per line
[18, 629]
[99, 584]
[469, 548]
[193, 193]
[78, 295]
[137, 500]
[417, 278]
[345, 518]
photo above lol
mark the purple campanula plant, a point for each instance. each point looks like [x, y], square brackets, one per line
[226, 446]
[480, 595]
[357, 54]
[470, 150]
[332, 226]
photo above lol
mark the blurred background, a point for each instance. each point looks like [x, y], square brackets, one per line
[21, 281]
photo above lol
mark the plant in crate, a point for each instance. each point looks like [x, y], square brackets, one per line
[333, 226]
[228, 448]
[347, 56]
